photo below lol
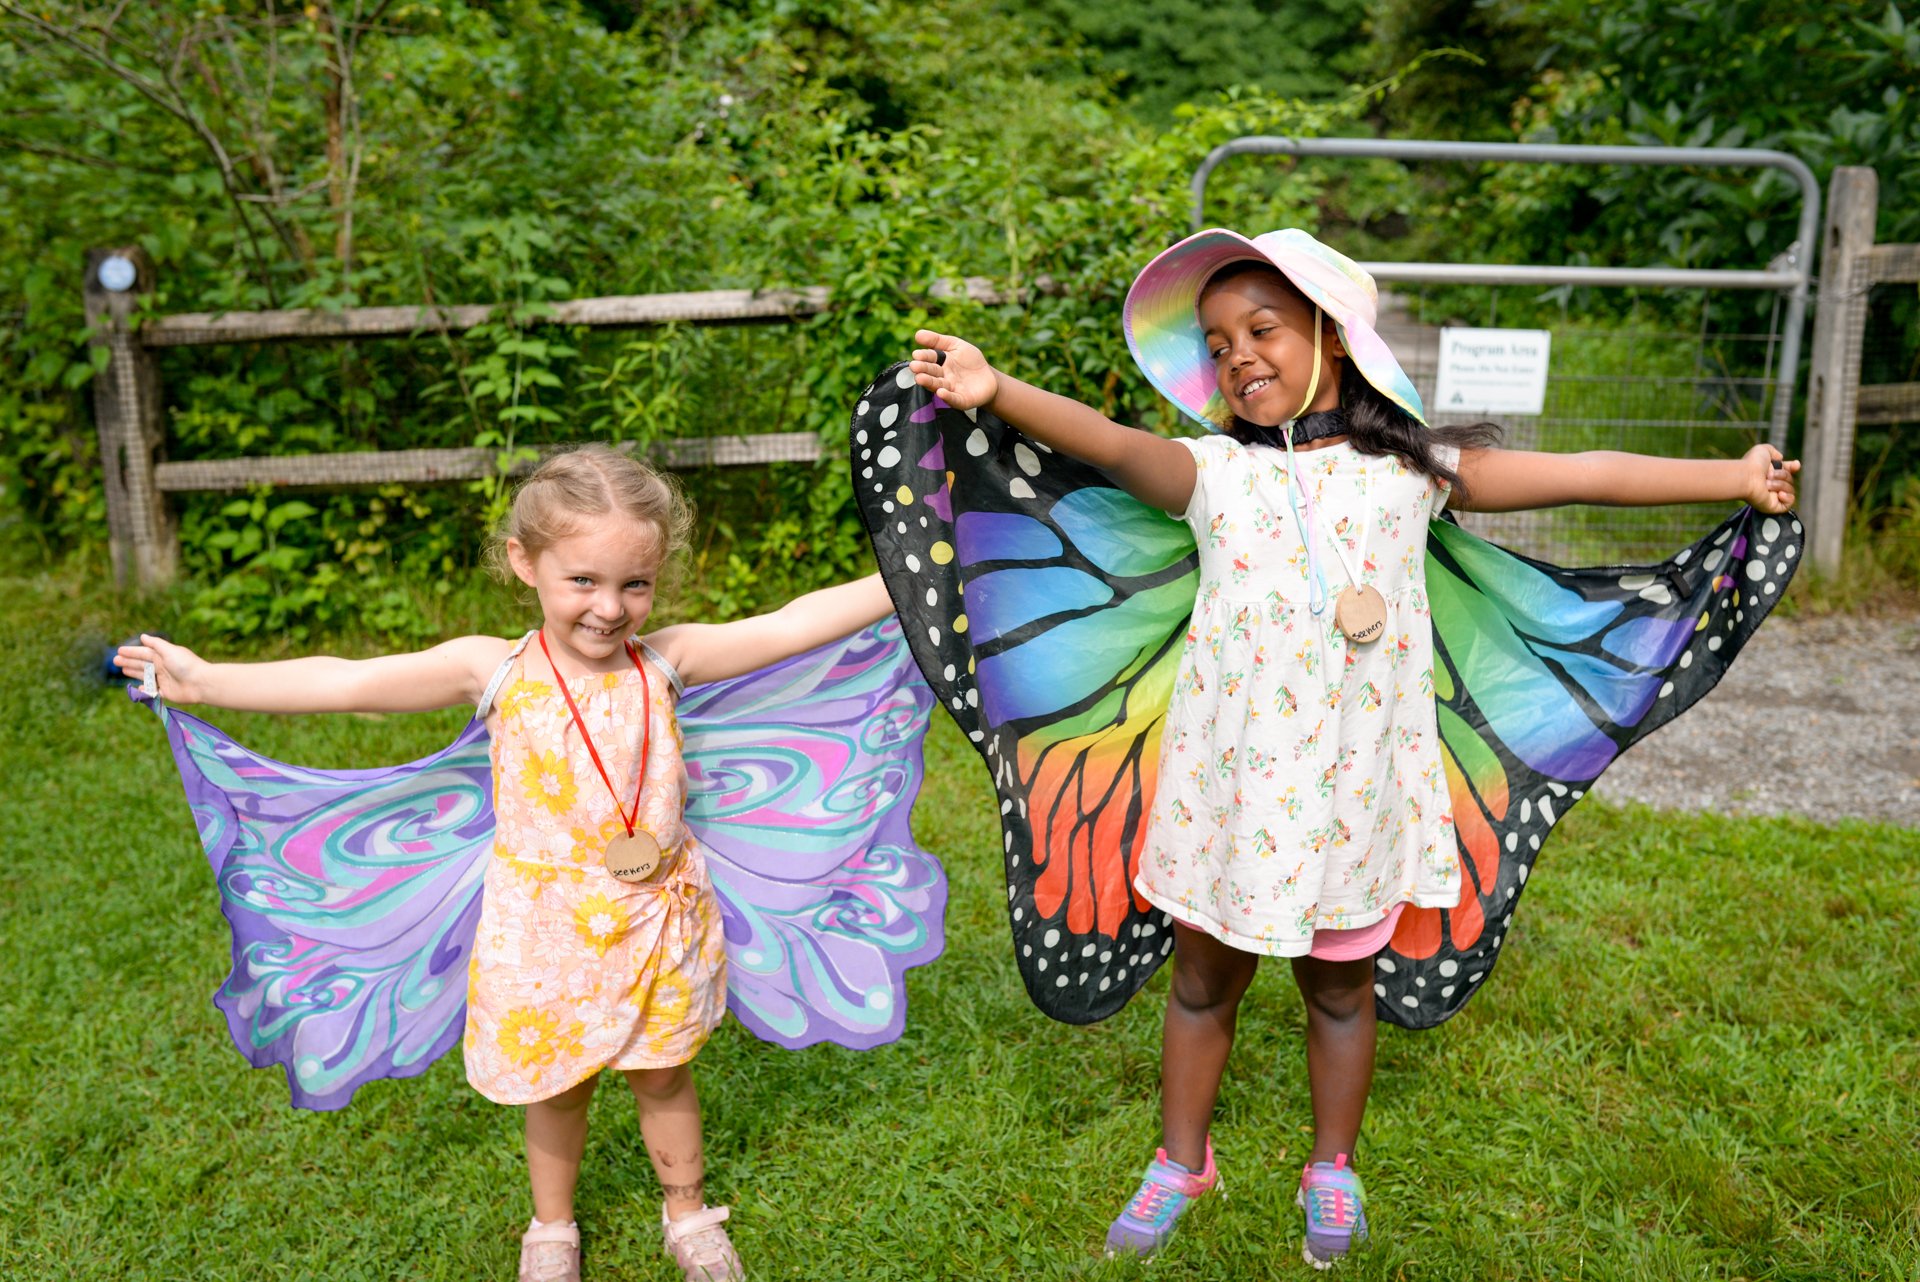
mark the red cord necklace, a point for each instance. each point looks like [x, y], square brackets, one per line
[634, 856]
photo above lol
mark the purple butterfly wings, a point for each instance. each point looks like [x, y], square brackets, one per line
[800, 778]
[353, 895]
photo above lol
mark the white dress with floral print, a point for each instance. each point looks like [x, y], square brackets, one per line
[574, 970]
[1300, 784]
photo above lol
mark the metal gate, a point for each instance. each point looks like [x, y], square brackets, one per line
[1710, 392]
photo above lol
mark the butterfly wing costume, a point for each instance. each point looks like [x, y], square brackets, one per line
[1047, 609]
[353, 895]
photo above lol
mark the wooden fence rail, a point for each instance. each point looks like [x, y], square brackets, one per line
[137, 478]
[142, 535]
[431, 467]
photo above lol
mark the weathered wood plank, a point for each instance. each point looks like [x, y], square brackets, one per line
[1888, 403]
[1826, 481]
[141, 540]
[430, 467]
[703, 307]
[709, 307]
[1886, 264]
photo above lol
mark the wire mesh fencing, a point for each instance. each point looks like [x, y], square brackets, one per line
[1657, 388]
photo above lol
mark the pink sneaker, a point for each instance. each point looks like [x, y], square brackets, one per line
[701, 1247]
[1162, 1198]
[1336, 1208]
[550, 1252]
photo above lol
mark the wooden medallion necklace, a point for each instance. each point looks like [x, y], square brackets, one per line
[636, 855]
[1359, 611]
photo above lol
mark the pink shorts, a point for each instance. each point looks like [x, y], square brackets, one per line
[1346, 945]
[1351, 945]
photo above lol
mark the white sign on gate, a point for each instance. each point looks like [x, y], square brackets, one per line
[1492, 371]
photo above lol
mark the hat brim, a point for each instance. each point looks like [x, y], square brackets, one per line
[1163, 328]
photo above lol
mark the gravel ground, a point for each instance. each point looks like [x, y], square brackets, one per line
[1817, 717]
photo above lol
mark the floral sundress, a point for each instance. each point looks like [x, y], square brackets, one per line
[1301, 786]
[574, 970]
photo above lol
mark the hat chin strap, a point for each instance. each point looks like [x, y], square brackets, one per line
[1313, 383]
[1297, 490]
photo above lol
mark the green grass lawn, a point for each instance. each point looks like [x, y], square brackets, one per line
[1700, 1058]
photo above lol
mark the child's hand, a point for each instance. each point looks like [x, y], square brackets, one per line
[176, 669]
[954, 369]
[1770, 481]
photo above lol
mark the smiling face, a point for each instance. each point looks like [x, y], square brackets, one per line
[595, 586]
[1259, 332]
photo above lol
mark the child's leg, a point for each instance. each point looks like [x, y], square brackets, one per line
[1340, 1043]
[670, 1125]
[1209, 979]
[556, 1137]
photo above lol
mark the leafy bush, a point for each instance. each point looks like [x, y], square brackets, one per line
[524, 152]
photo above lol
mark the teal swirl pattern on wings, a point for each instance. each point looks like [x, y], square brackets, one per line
[800, 781]
[352, 897]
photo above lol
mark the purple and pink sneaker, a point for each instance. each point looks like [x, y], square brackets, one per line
[1157, 1206]
[1336, 1210]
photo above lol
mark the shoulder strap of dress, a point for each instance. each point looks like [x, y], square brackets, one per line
[673, 674]
[499, 677]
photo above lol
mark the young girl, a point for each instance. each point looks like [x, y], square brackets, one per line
[600, 941]
[1301, 802]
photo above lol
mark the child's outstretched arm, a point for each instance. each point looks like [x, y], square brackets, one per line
[1151, 468]
[1513, 480]
[452, 673]
[703, 652]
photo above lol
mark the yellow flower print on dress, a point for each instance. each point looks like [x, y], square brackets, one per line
[667, 1009]
[548, 782]
[531, 1037]
[522, 695]
[589, 844]
[600, 922]
[537, 875]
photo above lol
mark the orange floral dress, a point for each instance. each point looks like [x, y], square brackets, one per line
[574, 970]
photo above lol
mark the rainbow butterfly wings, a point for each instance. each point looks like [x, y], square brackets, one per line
[1545, 675]
[353, 895]
[1047, 610]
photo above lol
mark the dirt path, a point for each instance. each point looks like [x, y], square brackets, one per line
[1818, 717]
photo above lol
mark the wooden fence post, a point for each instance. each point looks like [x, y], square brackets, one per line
[126, 406]
[1833, 391]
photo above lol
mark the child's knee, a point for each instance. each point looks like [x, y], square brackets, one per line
[572, 1100]
[659, 1083]
[1202, 989]
[1341, 1003]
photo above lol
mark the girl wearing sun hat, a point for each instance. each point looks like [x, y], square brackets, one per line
[1301, 802]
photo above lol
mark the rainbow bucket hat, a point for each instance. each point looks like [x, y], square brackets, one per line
[1163, 329]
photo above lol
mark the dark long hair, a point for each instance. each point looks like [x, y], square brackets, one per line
[1375, 424]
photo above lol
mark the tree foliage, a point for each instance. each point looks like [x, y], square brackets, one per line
[516, 152]
[1162, 53]
[361, 153]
